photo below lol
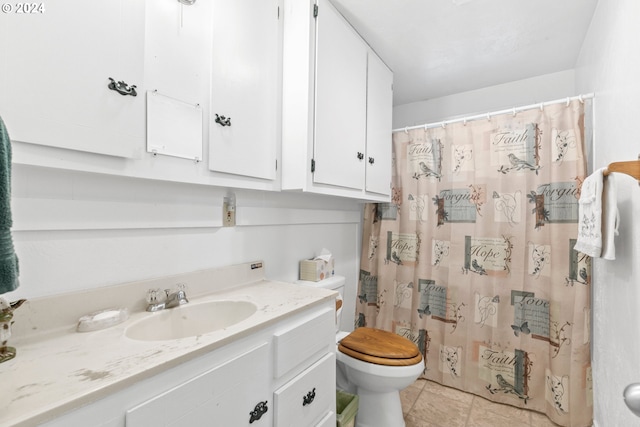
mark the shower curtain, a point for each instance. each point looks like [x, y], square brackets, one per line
[473, 258]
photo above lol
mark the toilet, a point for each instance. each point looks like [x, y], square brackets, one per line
[374, 364]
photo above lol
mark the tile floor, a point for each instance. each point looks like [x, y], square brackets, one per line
[429, 404]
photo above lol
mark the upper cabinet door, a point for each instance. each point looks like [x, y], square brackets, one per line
[244, 122]
[177, 50]
[379, 113]
[340, 101]
[55, 67]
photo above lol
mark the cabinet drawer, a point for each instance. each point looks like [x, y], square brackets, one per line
[296, 345]
[329, 420]
[309, 397]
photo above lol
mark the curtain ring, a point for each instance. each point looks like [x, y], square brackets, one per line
[464, 121]
[568, 101]
[541, 107]
[514, 111]
[488, 116]
[580, 99]
[406, 131]
[426, 127]
[442, 124]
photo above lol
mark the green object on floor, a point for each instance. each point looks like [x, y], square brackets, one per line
[346, 408]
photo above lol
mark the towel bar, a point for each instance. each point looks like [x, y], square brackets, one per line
[631, 168]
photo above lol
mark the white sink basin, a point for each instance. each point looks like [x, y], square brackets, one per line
[190, 320]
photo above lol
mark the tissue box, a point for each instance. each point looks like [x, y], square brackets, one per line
[314, 270]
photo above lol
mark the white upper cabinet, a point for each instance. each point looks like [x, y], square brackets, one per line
[55, 66]
[244, 119]
[379, 115]
[177, 45]
[176, 74]
[337, 104]
[270, 94]
[340, 102]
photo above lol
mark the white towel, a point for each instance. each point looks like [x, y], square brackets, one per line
[597, 216]
[610, 217]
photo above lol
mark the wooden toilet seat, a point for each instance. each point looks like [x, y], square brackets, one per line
[380, 347]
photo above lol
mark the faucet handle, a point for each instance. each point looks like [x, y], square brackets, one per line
[152, 296]
[182, 287]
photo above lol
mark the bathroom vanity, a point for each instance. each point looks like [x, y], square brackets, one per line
[274, 368]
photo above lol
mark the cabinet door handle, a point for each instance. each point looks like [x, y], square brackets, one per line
[222, 120]
[360, 155]
[371, 160]
[122, 88]
[306, 400]
[257, 413]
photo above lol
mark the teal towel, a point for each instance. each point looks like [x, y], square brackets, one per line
[8, 259]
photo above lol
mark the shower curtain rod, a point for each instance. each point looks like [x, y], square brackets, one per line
[495, 113]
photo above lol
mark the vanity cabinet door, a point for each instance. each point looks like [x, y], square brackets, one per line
[54, 75]
[235, 393]
[244, 119]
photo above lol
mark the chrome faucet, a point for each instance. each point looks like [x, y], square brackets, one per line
[176, 298]
[156, 301]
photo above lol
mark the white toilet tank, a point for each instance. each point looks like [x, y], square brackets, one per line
[334, 283]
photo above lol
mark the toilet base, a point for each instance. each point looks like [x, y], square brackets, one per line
[379, 409]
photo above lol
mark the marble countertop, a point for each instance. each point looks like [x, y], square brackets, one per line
[58, 370]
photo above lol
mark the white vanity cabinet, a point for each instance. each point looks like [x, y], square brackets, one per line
[246, 59]
[309, 399]
[337, 102]
[54, 75]
[234, 393]
[280, 375]
[305, 370]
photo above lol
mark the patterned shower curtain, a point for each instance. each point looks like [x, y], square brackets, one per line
[473, 259]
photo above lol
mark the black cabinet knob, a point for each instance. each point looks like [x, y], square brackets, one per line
[222, 120]
[122, 88]
[257, 413]
[306, 400]
[371, 160]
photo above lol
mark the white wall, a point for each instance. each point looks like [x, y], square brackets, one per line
[543, 88]
[609, 66]
[75, 230]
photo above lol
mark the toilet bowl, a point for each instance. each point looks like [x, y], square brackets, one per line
[375, 365]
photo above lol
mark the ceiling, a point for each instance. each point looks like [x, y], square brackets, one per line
[441, 47]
